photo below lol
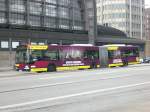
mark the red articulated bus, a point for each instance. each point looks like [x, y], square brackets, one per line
[43, 58]
[40, 58]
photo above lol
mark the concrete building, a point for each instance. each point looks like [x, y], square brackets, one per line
[147, 31]
[125, 15]
[147, 23]
[147, 48]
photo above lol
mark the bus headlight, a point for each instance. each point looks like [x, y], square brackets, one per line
[33, 66]
[16, 65]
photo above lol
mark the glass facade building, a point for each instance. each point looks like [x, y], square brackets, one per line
[57, 14]
[125, 15]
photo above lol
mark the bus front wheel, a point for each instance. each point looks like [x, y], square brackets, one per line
[51, 68]
[93, 65]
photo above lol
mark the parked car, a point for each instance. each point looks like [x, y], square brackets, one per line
[146, 60]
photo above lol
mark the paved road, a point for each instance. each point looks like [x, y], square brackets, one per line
[124, 89]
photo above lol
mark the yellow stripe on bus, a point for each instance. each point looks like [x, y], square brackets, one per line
[38, 69]
[115, 64]
[132, 63]
[72, 68]
[62, 68]
[112, 48]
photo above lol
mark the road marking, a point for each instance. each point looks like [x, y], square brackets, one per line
[71, 95]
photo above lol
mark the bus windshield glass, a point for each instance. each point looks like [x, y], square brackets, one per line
[36, 55]
[114, 54]
[130, 53]
[21, 56]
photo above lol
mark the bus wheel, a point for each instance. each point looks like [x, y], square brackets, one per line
[92, 66]
[125, 64]
[51, 68]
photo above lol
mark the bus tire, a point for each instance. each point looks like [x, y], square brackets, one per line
[125, 64]
[93, 66]
[51, 68]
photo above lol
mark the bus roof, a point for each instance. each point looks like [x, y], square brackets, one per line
[82, 45]
[119, 46]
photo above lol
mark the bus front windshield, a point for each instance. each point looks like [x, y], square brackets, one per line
[21, 56]
[36, 55]
[29, 56]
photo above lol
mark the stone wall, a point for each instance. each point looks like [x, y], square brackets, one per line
[7, 59]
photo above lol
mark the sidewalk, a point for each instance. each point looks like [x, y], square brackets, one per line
[6, 72]
[5, 69]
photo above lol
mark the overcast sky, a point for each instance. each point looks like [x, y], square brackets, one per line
[147, 3]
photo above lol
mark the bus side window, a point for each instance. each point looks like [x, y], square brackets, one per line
[85, 55]
[114, 54]
[110, 54]
[76, 54]
[91, 54]
[24, 57]
[51, 55]
[135, 52]
[63, 54]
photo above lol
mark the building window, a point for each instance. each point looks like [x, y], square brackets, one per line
[63, 23]
[50, 22]
[78, 25]
[4, 44]
[51, 10]
[15, 44]
[51, 1]
[2, 17]
[17, 19]
[17, 6]
[64, 2]
[2, 5]
[77, 15]
[35, 21]
[35, 8]
[63, 12]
